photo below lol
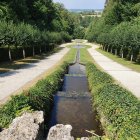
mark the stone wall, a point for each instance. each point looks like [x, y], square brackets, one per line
[30, 126]
[61, 132]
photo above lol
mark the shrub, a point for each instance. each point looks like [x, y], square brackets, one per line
[66, 37]
[8, 111]
[118, 107]
[39, 97]
[55, 37]
[97, 78]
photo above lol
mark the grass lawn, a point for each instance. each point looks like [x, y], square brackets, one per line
[132, 65]
[85, 56]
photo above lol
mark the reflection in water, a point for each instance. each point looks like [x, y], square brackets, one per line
[73, 104]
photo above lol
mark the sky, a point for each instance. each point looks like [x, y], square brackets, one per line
[82, 4]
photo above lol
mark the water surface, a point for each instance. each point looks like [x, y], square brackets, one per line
[73, 104]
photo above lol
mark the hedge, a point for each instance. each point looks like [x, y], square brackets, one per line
[117, 107]
[39, 97]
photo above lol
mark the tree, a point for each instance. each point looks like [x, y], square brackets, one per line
[7, 35]
[79, 32]
[118, 29]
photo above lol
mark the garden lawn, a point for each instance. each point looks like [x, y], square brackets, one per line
[132, 65]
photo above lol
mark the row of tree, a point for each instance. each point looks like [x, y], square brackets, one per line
[16, 36]
[118, 30]
[34, 24]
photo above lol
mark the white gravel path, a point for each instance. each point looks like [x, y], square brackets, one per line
[10, 82]
[127, 77]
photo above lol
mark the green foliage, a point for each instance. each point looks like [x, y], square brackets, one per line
[118, 106]
[41, 13]
[39, 97]
[55, 37]
[23, 110]
[86, 20]
[92, 12]
[66, 37]
[118, 30]
[8, 111]
[34, 24]
[100, 78]
[79, 32]
[27, 36]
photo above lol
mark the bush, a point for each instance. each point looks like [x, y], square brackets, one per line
[39, 97]
[66, 37]
[97, 78]
[8, 111]
[118, 107]
[55, 37]
[79, 32]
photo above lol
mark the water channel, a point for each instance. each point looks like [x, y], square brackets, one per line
[73, 104]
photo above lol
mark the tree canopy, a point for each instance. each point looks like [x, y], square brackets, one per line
[118, 30]
[34, 24]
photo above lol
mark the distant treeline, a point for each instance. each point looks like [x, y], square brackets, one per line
[88, 12]
[84, 13]
[118, 30]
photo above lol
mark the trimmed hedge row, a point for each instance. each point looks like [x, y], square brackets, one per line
[39, 97]
[118, 108]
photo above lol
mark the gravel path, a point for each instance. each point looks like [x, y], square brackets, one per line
[127, 77]
[11, 81]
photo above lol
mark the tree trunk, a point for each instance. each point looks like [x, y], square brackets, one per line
[116, 52]
[122, 54]
[102, 47]
[111, 50]
[9, 51]
[132, 57]
[33, 51]
[24, 55]
[107, 49]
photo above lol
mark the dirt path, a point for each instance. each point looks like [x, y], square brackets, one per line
[128, 78]
[11, 81]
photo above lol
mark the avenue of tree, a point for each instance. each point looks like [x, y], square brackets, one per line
[118, 30]
[31, 27]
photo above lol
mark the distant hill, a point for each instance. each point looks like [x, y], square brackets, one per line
[84, 10]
